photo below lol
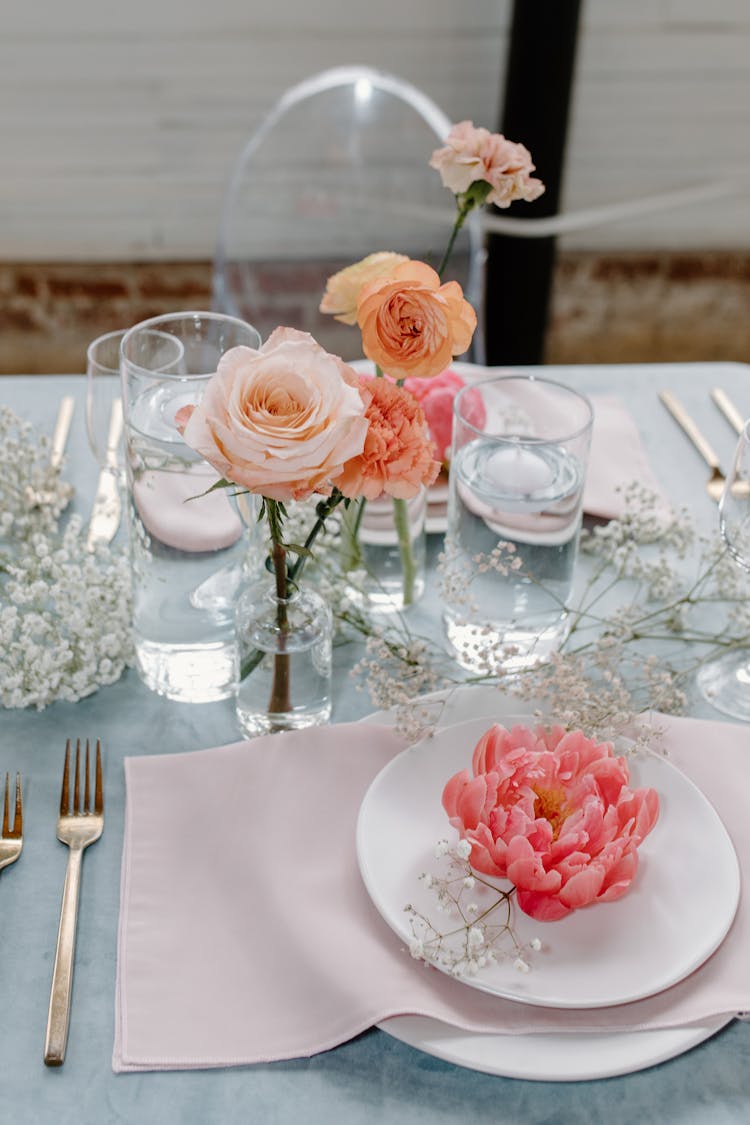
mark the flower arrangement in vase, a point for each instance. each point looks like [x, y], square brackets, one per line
[413, 324]
[289, 421]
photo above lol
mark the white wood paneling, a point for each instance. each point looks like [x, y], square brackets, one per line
[119, 123]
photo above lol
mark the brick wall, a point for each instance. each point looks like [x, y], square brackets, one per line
[607, 307]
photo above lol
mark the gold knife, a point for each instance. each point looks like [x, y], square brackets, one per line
[61, 431]
[728, 409]
[106, 510]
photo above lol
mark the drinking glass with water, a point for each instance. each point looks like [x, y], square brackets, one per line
[188, 546]
[518, 466]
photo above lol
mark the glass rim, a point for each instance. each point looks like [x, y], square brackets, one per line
[525, 377]
[154, 323]
[103, 339]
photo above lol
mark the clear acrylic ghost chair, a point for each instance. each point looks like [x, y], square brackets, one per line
[338, 169]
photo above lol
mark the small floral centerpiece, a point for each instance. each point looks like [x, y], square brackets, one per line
[288, 422]
[551, 811]
[412, 323]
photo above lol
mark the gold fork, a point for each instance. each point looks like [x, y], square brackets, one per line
[77, 828]
[715, 483]
[11, 839]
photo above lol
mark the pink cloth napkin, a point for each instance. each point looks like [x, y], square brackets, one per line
[176, 513]
[256, 941]
[617, 458]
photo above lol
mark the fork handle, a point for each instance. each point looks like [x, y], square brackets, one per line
[58, 1017]
[683, 419]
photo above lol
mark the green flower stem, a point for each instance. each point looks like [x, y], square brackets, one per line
[460, 220]
[283, 574]
[401, 520]
[280, 701]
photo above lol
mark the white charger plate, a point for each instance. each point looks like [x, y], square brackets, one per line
[569, 1056]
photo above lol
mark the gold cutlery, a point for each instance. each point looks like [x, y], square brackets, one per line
[11, 839]
[105, 513]
[728, 409]
[61, 431]
[40, 498]
[77, 827]
[715, 483]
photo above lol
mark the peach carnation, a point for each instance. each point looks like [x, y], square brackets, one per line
[474, 154]
[343, 288]
[397, 457]
[411, 324]
[552, 812]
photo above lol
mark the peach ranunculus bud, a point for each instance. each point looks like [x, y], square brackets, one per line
[282, 420]
[474, 154]
[413, 325]
[436, 396]
[343, 288]
[553, 812]
[398, 455]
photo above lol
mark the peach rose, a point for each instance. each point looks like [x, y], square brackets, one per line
[436, 396]
[343, 288]
[471, 154]
[413, 325]
[552, 812]
[282, 420]
[397, 457]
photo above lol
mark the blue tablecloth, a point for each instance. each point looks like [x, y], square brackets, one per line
[373, 1078]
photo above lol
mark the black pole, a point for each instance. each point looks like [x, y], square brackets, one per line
[519, 271]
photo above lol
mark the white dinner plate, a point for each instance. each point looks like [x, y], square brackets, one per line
[606, 954]
[568, 1056]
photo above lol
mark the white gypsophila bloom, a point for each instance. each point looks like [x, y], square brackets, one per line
[69, 629]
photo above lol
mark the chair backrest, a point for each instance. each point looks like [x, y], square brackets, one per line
[338, 169]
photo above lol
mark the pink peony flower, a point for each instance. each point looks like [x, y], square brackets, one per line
[282, 420]
[552, 812]
[436, 399]
[397, 457]
[471, 154]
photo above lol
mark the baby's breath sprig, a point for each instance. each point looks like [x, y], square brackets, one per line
[479, 919]
[65, 613]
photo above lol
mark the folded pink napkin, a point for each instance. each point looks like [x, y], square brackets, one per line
[257, 941]
[617, 459]
[175, 511]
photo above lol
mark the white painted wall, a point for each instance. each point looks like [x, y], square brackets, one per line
[119, 121]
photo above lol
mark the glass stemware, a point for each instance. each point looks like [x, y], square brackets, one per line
[725, 681]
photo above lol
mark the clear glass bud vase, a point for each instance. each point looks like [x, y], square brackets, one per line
[284, 647]
[383, 545]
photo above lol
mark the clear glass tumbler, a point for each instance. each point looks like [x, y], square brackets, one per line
[188, 547]
[518, 465]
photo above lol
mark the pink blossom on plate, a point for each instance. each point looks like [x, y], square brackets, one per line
[436, 397]
[552, 812]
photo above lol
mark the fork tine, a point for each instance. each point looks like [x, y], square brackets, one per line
[98, 792]
[86, 790]
[77, 782]
[5, 808]
[18, 815]
[65, 794]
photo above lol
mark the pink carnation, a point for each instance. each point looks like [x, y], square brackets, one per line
[472, 154]
[436, 396]
[552, 812]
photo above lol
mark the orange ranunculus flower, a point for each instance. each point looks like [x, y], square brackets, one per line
[413, 325]
[398, 455]
[343, 288]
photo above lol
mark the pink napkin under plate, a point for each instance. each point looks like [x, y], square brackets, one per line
[259, 942]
